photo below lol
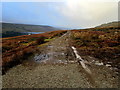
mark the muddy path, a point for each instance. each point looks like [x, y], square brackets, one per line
[58, 65]
[56, 51]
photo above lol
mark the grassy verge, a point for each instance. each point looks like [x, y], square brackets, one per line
[101, 44]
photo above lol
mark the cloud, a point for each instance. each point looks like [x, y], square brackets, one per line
[88, 14]
[64, 13]
[54, 0]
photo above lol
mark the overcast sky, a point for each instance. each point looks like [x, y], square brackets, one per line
[68, 13]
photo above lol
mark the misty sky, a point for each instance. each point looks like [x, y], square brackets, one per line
[67, 14]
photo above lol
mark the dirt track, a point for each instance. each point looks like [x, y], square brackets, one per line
[57, 67]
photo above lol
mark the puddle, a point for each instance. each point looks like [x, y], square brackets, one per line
[98, 63]
[50, 57]
[41, 57]
[108, 65]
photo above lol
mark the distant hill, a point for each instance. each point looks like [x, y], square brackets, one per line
[111, 24]
[10, 29]
[26, 28]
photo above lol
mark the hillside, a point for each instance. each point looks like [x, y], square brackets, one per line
[82, 58]
[111, 24]
[10, 29]
[26, 28]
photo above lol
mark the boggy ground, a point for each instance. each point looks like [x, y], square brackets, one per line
[56, 66]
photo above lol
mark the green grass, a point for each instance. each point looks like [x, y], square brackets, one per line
[46, 40]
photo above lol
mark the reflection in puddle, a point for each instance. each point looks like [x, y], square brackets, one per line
[53, 57]
[41, 57]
